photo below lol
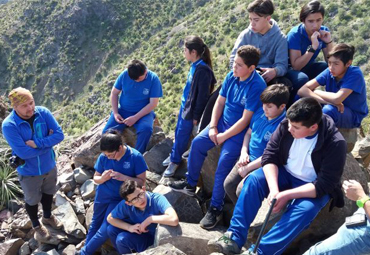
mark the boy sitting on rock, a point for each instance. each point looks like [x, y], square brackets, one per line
[135, 218]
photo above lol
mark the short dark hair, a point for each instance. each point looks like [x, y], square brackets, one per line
[127, 188]
[311, 7]
[342, 51]
[276, 94]
[135, 68]
[111, 140]
[261, 7]
[249, 54]
[306, 110]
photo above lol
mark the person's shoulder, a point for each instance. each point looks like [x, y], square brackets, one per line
[9, 120]
[42, 109]
[246, 32]
[152, 74]
[133, 152]
[230, 76]
[355, 70]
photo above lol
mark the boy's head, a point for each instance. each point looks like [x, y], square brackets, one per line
[246, 60]
[22, 102]
[274, 99]
[136, 70]
[260, 12]
[342, 52]
[134, 195]
[304, 117]
[311, 8]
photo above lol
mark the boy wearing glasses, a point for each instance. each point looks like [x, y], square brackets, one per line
[134, 220]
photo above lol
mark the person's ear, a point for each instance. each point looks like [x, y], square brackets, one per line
[349, 63]
[127, 203]
[251, 68]
[282, 107]
[314, 127]
[268, 18]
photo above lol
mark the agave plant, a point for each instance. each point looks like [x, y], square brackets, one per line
[9, 185]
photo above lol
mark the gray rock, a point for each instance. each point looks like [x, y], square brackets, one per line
[166, 249]
[208, 170]
[14, 205]
[25, 249]
[2, 237]
[189, 238]
[80, 207]
[152, 180]
[157, 154]
[21, 221]
[88, 189]
[67, 181]
[11, 246]
[89, 215]
[350, 135]
[362, 151]
[33, 244]
[51, 252]
[69, 250]
[186, 207]
[81, 175]
[67, 216]
[155, 139]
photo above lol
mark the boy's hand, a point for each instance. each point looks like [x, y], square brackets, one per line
[281, 201]
[134, 229]
[130, 121]
[118, 176]
[272, 195]
[106, 175]
[315, 40]
[353, 190]
[118, 118]
[51, 132]
[268, 74]
[31, 144]
[212, 133]
[325, 36]
[243, 171]
[243, 159]
[145, 224]
[220, 138]
[340, 107]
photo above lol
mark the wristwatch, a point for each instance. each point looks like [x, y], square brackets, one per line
[361, 202]
[310, 49]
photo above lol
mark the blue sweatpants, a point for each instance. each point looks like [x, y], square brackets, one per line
[300, 78]
[97, 234]
[230, 153]
[144, 127]
[298, 216]
[341, 120]
[127, 243]
[183, 131]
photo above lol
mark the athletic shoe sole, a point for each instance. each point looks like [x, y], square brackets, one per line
[212, 226]
[184, 191]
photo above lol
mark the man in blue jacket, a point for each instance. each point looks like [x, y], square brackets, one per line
[32, 132]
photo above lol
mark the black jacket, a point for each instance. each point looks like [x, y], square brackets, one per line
[201, 87]
[328, 157]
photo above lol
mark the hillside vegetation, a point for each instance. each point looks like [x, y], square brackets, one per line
[70, 52]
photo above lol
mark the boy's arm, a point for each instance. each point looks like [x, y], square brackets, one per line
[123, 225]
[307, 90]
[235, 129]
[114, 102]
[55, 135]
[244, 155]
[146, 110]
[216, 114]
[168, 218]
[334, 98]
[139, 179]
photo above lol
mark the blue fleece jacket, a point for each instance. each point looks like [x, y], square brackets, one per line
[17, 131]
[273, 46]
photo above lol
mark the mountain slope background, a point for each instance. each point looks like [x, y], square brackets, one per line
[69, 53]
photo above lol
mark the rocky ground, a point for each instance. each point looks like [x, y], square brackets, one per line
[76, 191]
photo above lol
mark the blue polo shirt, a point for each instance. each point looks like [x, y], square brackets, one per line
[262, 129]
[189, 81]
[136, 95]
[156, 204]
[298, 40]
[131, 164]
[354, 80]
[241, 95]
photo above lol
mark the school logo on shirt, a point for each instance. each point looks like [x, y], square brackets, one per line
[146, 91]
[126, 165]
[267, 136]
[243, 101]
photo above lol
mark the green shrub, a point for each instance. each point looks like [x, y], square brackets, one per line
[10, 188]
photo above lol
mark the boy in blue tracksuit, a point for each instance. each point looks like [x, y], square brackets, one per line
[235, 105]
[117, 164]
[345, 95]
[32, 132]
[301, 168]
[263, 124]
[139, 90]
[135, 219]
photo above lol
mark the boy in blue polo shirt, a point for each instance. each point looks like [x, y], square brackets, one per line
[345, 95]
[233, 110]
[140, 91]
[117, 164]
[135, 219]
[264, 122]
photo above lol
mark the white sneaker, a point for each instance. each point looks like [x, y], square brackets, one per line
[167, 161]
[170, 170]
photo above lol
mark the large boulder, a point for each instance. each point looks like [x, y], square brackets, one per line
[209, 169]
[82, 174]
[186, 207]
[88, 189]
[11, 246]
[362, 151]
[71, 224]
[187, 237]
[157, 154]
[166, 249]
[350, 135]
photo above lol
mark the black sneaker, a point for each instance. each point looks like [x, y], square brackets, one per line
[184, 187]
[212, 217]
